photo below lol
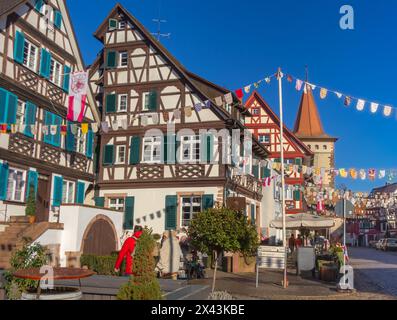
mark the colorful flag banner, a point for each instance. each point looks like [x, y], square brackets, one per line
[78, 86]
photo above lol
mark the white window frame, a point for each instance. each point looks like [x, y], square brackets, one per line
[53, 67]
[191, 142]
[124, 95]
[122, 25]
[21, 108]
[14, 185]
[263, 135]
[191, 205]
[118, 161]
[117, 206]
[152, 143]
[80, 141]
[27, 56]
[69, 184]
[145, 96]
[256, 112]
[121, 53]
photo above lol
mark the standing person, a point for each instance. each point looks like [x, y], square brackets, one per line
[127, 251]
[170, 256]
[298, 241]
[291, 243]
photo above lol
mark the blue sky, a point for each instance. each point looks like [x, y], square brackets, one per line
[234, 43]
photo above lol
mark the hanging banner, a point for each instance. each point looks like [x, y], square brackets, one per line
[78, 86]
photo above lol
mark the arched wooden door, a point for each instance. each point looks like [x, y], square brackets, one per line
[100, 239]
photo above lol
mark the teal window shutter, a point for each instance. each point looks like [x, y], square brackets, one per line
[135, 148]
[3, 105]
[210, 147]
[110, 103]
[208, 201]
[255, 171]
[38, 5]
[108, 157]
[3, 180]
[265, 172]
[56, 139]
[253, 214]
[58, 19]
[111, 60]
[19, 46]
[12, 108]
[171, 204]
[70, 138]
[113, 24]
[48, 121]
[30, 118]
[297, 193]
[99, 202]
[89, 144]
[32, 181]
[45, 63]
[129, 213]
[66, 78]
[152, 101]
[298, 161]
[80, 192]
[57, 191]
[165, 149]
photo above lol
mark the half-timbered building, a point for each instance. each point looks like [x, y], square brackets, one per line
[162, 179]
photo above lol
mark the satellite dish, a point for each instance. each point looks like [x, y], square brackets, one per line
[339, 208]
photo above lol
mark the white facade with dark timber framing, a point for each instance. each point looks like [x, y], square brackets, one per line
[138, 84]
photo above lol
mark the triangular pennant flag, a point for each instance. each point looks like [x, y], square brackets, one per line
[247, 89]
[374, 107]
[155, 118]
[44, 129]
[73, 129]
[207, 104]
[289, 78]
[229, 98]
[323, 93]
[188, 112]
[268, 80]
[144, 121]
[360, 105]
[313, 86]
[33, 129]
[256, 85]
[166, 116]
[353, 173]
[177, 114]
[198, 107]
[124, 124]
[239, 94]
[348, 101]
[115, 125]
[382, 174]
[372, 174]
[338, 94]
[105, 126]
[94, 127]
[387, 111]
[53, 130]
[298, 85]
[64, 130]
[84, 128]
[219, 101]
[363, 174]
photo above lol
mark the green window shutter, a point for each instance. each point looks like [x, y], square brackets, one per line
[33, 177]
[208, 201]
[45, 63]
[265, 173]
[3, 105]
[135, 148]
[298, 161]
[169, 149]
[12, 108]
[112, 24]
[255, 171]
[165, 149]
[80, 193]
[70, 139]
[3, 180]
[57, 19]
[129, 213]
[38, 5]
[152, 101]
[66, 78]
[89, 144]
[48, 122]
[56, 139]
[99, 202]
[19, 46]
[278, 160]
[297, 193]
[111, 60]
[110, 103]
[108, 157]
[57, 191]
[253, 214]
[209, 145]
[171, 204]
[30, 118]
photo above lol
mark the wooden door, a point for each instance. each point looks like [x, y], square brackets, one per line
[100, 239]
[43, 198]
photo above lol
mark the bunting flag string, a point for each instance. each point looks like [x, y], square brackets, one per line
[359, 103]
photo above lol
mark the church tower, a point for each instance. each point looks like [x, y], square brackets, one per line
[309, 129]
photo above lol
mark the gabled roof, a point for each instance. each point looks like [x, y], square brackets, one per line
[256, 96]
[195, 82]
[308, 122]
[6, 6]
[388, 188]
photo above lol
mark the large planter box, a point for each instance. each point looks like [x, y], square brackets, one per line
[243, 265]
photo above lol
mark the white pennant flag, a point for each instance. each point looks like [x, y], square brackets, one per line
[94, 127]
[360, 105]
[229, 98]
[382, 174]
[374, 107]
[387, 111]
[338, 94]
[247, 89]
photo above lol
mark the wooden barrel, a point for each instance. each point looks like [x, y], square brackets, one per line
[328, 272]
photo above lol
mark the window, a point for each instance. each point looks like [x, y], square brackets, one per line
[120, 154]
[116, 204]
[325, 147]
[123, 103]
[80, 141]
[152, 150]
[228, 108]
[20, 112]
[30, 56]
[16, 185]
[122, 25]
[55, 72]
[256, 112]
[123, 59]
[67, 192]
[190, 206]
[317, 147]
[264, 138]
[309, 146]
[190, 148]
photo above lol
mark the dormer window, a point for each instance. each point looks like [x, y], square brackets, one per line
[123, 59]
[264, 138]
[256, 112]
[122, 25]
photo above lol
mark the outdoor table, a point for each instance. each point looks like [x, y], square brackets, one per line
[57, 274]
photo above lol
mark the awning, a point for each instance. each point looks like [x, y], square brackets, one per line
[303, 221]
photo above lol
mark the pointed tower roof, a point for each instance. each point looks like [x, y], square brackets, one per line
[308, 122]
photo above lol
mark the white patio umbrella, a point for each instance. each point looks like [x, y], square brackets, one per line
[303, 221]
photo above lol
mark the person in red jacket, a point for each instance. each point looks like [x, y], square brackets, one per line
[127, 251]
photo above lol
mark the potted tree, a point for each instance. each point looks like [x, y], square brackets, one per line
[30, 210]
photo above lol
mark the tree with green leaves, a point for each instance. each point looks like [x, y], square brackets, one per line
[143, 284]
[223, 230]
[30, 210]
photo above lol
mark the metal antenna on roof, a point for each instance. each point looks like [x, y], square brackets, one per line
[159, 21]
